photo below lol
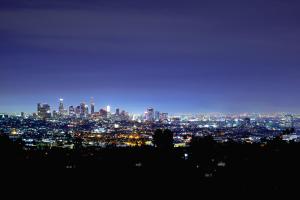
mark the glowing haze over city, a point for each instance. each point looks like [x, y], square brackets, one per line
[191, 57]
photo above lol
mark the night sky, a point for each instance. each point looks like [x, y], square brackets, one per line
[177, 56]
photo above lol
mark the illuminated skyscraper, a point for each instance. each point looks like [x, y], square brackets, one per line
[61, 107]
[43, 111]
[39, 109]
[124, 115]
[164, 116]
[92, 106]
[55, 114]
[108, 109]
[117, 111]
[157, 116]
[77, 111]
[103, 113]
[71, 111]
[83, 109]
[86, 110]
[149, 114]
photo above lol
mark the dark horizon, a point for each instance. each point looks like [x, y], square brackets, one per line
[192, 56]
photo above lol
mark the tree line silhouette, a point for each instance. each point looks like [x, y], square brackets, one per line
[269, 164]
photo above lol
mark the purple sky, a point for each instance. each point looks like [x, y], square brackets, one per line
[177, 56]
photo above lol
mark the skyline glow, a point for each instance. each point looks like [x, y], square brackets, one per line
[196, 56]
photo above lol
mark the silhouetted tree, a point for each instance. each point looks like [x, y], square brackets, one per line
[163, 139]
[78, 143]
[11, 153]
[5, 143]
[203, 149]
[203, 142]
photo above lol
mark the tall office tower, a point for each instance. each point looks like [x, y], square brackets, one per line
[103, 113]
[108, 109]
[146, 117]
[55, 114]
[22, 114]
[157, 116]
[86, 111]
[44, 111]
[164, 116]
[39, 108]
[47, 111]
[124, 115]
[82, 109]
[61, 107]
[77, 110]
[92, 106]
[117, 111]
[71, 111]
[149, 114]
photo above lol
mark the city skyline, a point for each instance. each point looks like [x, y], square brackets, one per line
[141, 109]
[94, 108]
[196, 56]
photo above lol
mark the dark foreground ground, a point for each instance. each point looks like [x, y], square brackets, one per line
[238, 168]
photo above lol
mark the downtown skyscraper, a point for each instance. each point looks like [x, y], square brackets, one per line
[92, 106]
[61, 106]
[43, 111]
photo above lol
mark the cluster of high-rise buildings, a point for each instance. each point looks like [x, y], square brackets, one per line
[84, 110]
[152, 115]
